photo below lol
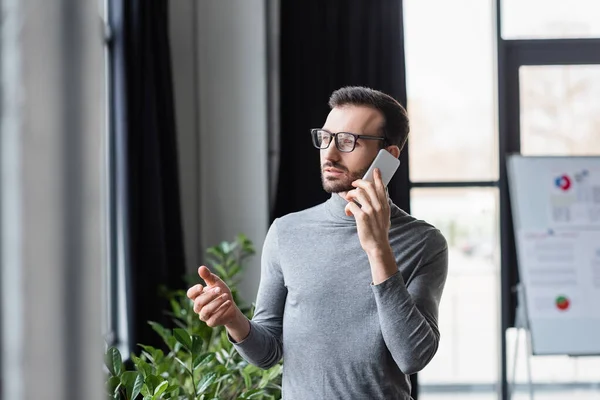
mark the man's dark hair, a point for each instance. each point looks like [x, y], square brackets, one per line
[396, 126]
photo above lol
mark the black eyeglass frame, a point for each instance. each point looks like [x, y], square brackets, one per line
[313, 133]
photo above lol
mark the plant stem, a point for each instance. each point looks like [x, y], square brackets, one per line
[231, 351]
[193, 382]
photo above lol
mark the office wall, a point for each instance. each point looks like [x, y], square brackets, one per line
[219, 51]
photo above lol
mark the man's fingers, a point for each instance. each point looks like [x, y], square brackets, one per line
[353, 210]
[209, 309]
[210, 278]
[380, 188]
[214, 318]
[206, 297]
[370, 190]
[362, 198]
[195, 291]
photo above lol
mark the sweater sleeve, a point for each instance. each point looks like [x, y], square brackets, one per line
[263, 346]
[408, 314]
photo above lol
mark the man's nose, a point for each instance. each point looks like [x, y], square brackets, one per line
[331, 152]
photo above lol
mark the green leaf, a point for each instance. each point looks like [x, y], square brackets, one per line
[203, 360]
[137, 386]
[112, 384]
[149, 352]
[164, 333]
[206, 381]
[224, 377]
[160, 389]
[219, 357]
[230, 263]
[274, 372]
[251, 394]
[197, 343]
[226, 247]
[148, 357]
[173, 389]
[252, 369]
[141, 365]
[247, 246]
[176, 307]
[146, 392]
[134, 358]
[181, 324]
[215, 251]
[236, 269]
[164, 369]
[129, 379]
[171, 342]
[225, 340]
[183, 337]
[213, 261]
[153, 381]
[184, 366]
[113, 361]
[269, 375]
[247, 379]
[226, 355]
[197, 360]
[155, 356]
[221, 271]
[145, 368]
[219, 369]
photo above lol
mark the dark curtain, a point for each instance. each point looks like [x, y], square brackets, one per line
[145, 136]
[325, 45]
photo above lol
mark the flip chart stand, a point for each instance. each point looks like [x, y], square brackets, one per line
[521, 325]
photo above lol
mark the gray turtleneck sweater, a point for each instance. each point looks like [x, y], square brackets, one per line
[340, 336]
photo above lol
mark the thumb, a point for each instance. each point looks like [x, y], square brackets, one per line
[210, 278]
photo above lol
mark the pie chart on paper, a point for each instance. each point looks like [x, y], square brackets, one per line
[563, 303]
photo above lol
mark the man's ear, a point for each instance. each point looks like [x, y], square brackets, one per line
[394, 150]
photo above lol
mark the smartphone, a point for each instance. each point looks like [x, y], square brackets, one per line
[387, 164]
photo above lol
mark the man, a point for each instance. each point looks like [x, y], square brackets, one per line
[349, 294]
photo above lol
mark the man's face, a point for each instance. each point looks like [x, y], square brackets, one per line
[338, 169]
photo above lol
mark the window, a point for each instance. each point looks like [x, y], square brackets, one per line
[560, 109]
[450, 84]
[450, 56]
[545, 19]
[468, 218]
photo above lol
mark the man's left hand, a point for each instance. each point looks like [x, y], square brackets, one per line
[373, 216]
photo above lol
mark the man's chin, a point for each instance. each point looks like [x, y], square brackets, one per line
[336, 187]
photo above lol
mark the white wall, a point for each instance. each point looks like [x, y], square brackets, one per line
[219, 65]
[183, 43]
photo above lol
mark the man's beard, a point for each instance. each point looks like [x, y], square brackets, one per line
[340, 184]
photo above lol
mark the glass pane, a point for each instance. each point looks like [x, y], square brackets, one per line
[568, 375]
[469, 310]
[450, 86]
[546, 19]
[560, 109]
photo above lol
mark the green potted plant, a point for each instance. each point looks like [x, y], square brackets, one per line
[201, 363]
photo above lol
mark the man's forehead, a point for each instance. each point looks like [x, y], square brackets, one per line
[356, 119]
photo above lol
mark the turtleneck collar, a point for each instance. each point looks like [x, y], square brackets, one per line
[336, 205]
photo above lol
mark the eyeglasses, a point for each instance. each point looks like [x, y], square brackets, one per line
[344, 141]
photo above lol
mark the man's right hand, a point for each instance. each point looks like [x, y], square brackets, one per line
[214, 305]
